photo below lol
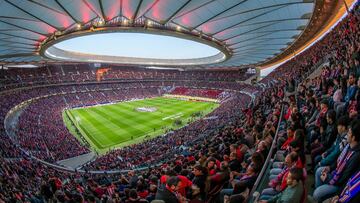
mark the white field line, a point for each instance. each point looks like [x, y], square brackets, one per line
[173, 116]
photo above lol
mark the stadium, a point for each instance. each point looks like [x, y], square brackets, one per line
[180, 101]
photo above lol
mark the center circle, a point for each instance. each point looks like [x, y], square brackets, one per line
[146, 109]
[134, 47]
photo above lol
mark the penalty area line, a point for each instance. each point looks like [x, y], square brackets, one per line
[173, 116]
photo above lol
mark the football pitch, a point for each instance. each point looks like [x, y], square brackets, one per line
[121, 124]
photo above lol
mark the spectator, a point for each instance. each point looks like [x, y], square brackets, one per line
[294, 190]
[327, 182]
[168, 193]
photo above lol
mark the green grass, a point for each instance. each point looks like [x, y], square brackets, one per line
[117, 125]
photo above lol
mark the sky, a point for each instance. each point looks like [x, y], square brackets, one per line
[138, 45]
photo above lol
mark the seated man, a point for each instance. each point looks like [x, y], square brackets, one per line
[278, 184]
[351, 193]
[319, 123]
[340, 107]
[294, 190]
[234, 163]
[168, 193]
[327, 137]
[246, 179]
[328, 182]
[218, 181]
[276, 170]
[296, 145]
[330, 155]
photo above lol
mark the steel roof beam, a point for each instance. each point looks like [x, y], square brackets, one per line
[4, 40]
[273, 53]
[11, 44]
[254, 17]
[256, 9]
[17, 55]
[246, 40]
[13, 50]
[14, 47]
[252, 57]
[102, 10]
[260, 54]
[250, 31]
[194, 9]
[19, 18]
[224, 11]
[269, 32]
[265, 51]
[23, 28]
[67, 12]
[137, 10]
[256, 44]
[176, 12]
[120, 11]
[32, 15]
[92, 9]
[259, 37]
[246, 61]
[269, 21]
[19, 36]
[47, 7]
[148, 9]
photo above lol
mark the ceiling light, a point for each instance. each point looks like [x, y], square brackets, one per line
[149, 23]
[58, 33]
[101, 22]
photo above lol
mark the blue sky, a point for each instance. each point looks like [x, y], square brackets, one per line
[138, 45]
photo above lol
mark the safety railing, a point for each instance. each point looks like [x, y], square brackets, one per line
[254, 192]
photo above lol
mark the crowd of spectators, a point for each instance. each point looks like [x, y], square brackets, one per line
[218, 160]
[321, 121]
[80, 73]
[213, 94]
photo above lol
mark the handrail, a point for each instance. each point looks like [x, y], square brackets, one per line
[271, 152]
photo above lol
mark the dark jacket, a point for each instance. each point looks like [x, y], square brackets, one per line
[329, 136]
[166, 195]
[200, 182]
[350, 93]
[234, 165]
[352, 165]
[333, 152]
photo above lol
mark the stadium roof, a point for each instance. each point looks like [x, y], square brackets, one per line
[245, 31]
